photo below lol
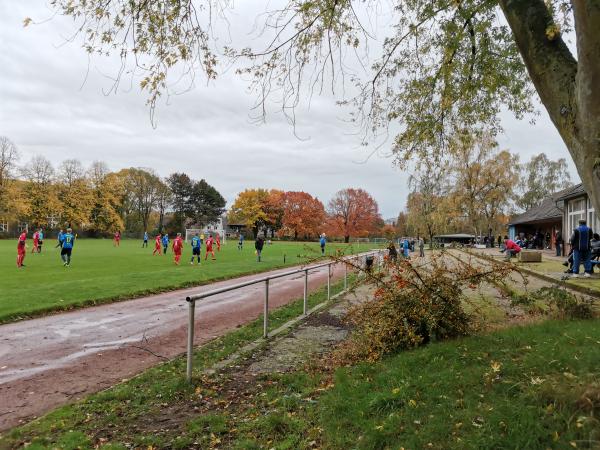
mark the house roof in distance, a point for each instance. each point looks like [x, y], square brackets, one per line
[572, 192]
[547, 210]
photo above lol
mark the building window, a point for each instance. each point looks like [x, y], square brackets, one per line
[23, 226]
[576, 212]
[3, 226]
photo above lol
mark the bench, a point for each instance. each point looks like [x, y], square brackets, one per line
[530, 256]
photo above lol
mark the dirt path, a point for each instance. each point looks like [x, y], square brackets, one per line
[53, 360]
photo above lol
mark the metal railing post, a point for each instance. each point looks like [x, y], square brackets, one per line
[266, 311]
[345, 275]
[329, 281]
[190, 343]
[305, 308]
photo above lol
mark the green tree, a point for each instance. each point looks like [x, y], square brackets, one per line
[444, 63]
[182, 190]
[541, 177]
[206, 203]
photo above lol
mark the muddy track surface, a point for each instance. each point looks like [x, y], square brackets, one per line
[57, 359]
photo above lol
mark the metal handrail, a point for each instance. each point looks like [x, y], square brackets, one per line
[192, 298]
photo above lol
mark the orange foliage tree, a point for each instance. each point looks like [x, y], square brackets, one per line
[258, 209]
[302, 215]
[352, 212]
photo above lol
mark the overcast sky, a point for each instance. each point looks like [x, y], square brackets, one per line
[47, 109]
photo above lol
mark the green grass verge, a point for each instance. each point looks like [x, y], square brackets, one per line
[101, 273]
[126, 412]
[524, 387]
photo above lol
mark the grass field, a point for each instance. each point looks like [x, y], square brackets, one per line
[101, 273]
[523, 387]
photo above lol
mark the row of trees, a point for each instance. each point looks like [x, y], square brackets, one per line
[350, 213]
[137, 199]
[98, 200]
[477, 189]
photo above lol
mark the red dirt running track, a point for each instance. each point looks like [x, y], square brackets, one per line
[57, 359]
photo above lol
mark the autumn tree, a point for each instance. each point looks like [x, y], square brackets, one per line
[274, 210]
[164, 198]
[443, 64]
[141, 187]
[388, 231]
[9, 157]
[483, 180]
[249, 209]
[106, 191]
[40, 191]
[352, 212]
[74, 193]
[539, 178]
[303, 215]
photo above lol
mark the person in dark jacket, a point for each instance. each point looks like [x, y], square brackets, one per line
[392, 252]
[258, 245]
[581, 242]
[558, 243]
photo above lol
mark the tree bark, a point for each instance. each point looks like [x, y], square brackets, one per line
[568, 89]
[346, 239]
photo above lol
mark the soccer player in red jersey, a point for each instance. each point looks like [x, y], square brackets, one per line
[177, 248]
[157, 244]
[209, 248]
[21, 249]
[218, 240]
[117, 239]
[36, 240]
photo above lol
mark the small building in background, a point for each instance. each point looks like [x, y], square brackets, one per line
[457, 238]
[577, 205]
[546, 218]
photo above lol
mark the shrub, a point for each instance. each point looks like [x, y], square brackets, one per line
[555, 302]
[417, 301]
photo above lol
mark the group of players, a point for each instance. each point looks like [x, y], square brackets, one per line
[66, 241]
[162, 241]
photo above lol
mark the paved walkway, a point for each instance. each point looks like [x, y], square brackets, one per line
[52, 360]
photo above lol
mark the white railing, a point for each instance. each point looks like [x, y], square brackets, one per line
[193, 298]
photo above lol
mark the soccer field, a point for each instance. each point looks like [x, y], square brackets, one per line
[100, 272]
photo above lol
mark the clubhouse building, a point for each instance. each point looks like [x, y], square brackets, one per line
[559, 212]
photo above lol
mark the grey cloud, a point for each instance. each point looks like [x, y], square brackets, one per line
[207, 132]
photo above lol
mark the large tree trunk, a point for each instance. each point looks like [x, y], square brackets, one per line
[346, 239]
[568, 88]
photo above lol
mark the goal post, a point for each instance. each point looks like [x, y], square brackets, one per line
[190, 232]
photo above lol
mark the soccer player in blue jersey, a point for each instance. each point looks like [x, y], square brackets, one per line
[165, 243]
[196, 248]
[322, 242]
[59, 238]
[68, 240]
[145, 243]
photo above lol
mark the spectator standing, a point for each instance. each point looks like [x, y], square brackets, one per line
[421, 248]
[258, 246]
[581, 242]
[558, 243]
